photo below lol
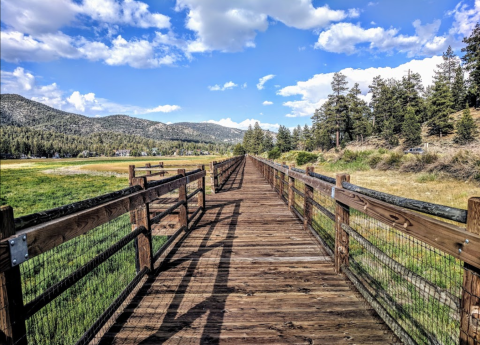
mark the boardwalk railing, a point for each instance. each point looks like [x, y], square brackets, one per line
[420, 273]
[65, 272]
[221, 171]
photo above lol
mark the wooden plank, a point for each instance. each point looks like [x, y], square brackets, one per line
[342, 216]
[470, 305]
[182, 196]
[12, 315]
[446, 237]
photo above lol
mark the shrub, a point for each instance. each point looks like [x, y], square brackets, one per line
[306, 157]
[392, 161]
[374, 160]
[238, 150]
[423, 178]
[275, 153]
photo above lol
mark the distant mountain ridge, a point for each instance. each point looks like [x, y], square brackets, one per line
[17, 110]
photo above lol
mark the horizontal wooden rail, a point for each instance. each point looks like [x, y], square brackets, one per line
[449, 238]
[165, 213]
[221, 171]
[48, 235]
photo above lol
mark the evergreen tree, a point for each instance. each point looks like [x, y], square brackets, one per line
[238, 150]
[466, 128]
[389, 132]
[267, 142]
[471, 61]
[375, 90]
[247, 139]
[297, 138]
[441, 107]
[358, 113]
[257, 139]
[446, 70]
[412, 131]
[308, 139]
[324, 140]
[339, 87]
[459, 91]
[284, 140]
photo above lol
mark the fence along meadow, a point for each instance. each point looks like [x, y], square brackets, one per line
[420, 273]
[65, 273]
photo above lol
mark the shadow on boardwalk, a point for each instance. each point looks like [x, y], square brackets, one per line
[248, 274]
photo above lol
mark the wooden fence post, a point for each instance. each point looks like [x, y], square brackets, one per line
[12, 317]
[131, 174]
[148, 172]
[281, 184]
[160, 165]
[213, 176]
[182, 196]
[342, 215]
[143, 242]
[307, 205]
[470, 305]
[201, 195]
[291, 193]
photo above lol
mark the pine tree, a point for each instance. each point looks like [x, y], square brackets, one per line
[238, 150]
[308, 139]
[412, 131]
[247, 139]
[358, 113]
[324, 140]
[267, 142]
[459, 91]
[446, 70]
[466, 128]
[389, 133]
[471, 61]
[284, 140]
[257, 139]
[375, 89]
[339, 87]
[441, 107]
[296, 137]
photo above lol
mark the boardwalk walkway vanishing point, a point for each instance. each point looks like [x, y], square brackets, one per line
[248, 274]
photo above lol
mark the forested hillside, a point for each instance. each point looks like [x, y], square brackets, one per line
[18, 111]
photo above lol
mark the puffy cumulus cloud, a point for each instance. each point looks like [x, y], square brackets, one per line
[232, 25]
[228, 122]
[129, 12]
[347, 37]
[24, 83]
[315, 91]
[267, 103]
[263, 80]
[465, 18]
[228, 85]
[40, 17]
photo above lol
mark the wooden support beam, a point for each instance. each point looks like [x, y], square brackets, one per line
[281, 184]
[12, 316]
[143, 242]
[148, 172]
[307, 205]
[182, 196]
[291, 193]
[342, 215]
[201, 195]
[131, 174]
[213, 175]
[470, 305]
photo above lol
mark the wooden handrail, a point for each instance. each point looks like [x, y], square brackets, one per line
[221, 171]
[461, 243]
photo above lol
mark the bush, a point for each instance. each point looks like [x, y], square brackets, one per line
[374, 160]
[275, 153]
[392, 161]
[306, 157]
[238, 150]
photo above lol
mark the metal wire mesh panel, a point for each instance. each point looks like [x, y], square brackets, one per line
[298, 199]
[69, 315]
[321, 223]
[419, 286]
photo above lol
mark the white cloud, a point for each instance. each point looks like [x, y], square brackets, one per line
[354, 13]
[346, 37]
[314, 91]
[244, 124]
[244, 86]
[263, 80]
[267, 103]
[24, 83]
[228, 85]
[372, 3]
[232, 25]
[465, 18]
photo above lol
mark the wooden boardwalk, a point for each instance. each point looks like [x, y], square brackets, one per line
[248, 274]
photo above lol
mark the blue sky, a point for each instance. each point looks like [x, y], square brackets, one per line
[228, 62]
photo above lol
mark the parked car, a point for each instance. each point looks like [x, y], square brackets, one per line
[415, 151]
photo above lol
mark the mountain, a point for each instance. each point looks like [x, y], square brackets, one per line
[16, 110]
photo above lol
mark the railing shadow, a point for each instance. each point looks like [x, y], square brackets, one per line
[174, 320]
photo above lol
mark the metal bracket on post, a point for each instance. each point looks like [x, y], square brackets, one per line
[18, 250]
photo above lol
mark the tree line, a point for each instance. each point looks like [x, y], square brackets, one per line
[30, 142]
[398, 108]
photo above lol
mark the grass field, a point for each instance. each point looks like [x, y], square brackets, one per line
[35, 185]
